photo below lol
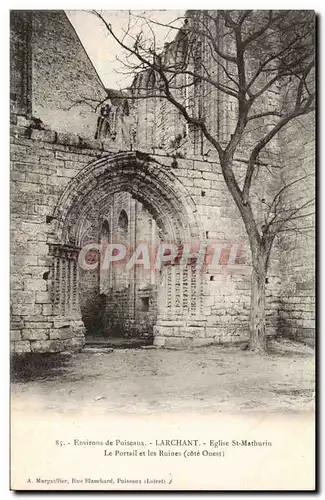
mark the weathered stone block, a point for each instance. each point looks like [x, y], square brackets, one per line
[35, 334]
[15, 335]
[213, 176]
[211, 332]
[74, 344]
[190, 331]
[25, 260]
[33, 322]
[17, 176]
[16, 322]
[37, 248]
[194, 174]
[46, 346]
[171, 323]
[308, 323]
[68, 139]
[47, 309]
[25, 309]
[22, 297]
[198, 322]
[164, 330]
[43, 135]
[22, 346]
[181, 172]
[41, 209]
[42, 298]
[37, 284]
[22, 121]
[199, 342]
[185, 163]
[77, 328]
[27, 187]
[90, 143]
[207, 166]
[60, 333]
[61, 323]
[37, 178]
[188, 182]
[67, 172]
[179, 342]
[159, 341]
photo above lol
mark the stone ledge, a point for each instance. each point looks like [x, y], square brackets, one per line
[178, 342]
[47, 346]
[200, 342]
[25, 131]
[43, 135]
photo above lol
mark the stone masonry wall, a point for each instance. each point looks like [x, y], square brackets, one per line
[51, 78]
[225, 292]
[63, 77]
[20, 62]
[42, 164]
[297, 244]
[125, 298]
[290, 155]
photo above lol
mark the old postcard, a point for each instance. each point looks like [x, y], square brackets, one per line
[162, 249]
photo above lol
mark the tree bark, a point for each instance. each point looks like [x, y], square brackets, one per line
[257, 340]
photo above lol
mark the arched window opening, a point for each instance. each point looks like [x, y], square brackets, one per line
[105, 273]
[123, 221]
[105, 233]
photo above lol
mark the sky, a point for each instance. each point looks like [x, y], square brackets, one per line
[104, 51]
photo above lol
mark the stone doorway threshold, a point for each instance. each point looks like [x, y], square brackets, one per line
[116, 342]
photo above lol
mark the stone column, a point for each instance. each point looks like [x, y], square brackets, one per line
[68, 327]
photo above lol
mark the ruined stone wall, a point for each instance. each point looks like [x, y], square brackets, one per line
[224, 297]
[146, 279]
[129, 303]
[161, 125]
[290, 287]
[89, 281]
[117, 296]
[297, 244]
[63, 78]
[198, 308]
[20, 62]
[42, 164]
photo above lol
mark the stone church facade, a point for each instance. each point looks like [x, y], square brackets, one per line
[130, 171]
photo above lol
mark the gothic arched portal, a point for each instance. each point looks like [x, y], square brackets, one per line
[134, 189]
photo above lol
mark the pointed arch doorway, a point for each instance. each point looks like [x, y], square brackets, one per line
[129, 198]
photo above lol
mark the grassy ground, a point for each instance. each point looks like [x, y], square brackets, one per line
[215, 378]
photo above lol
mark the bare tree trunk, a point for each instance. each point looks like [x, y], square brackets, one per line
[257, 340]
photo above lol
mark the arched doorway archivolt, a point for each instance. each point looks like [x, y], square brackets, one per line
[150, 182]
